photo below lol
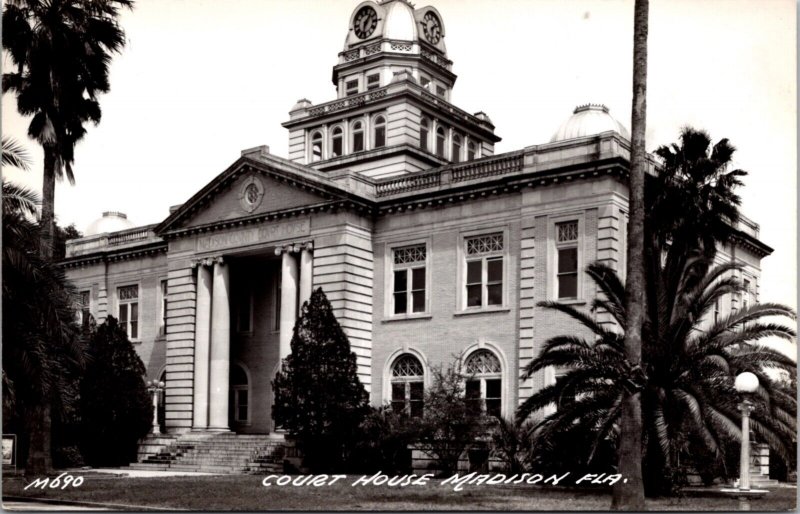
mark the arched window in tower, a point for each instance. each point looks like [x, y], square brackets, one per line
[455, 151]
[316, 146]
[440, 142]
[484, 382]
[380, 132]
[408, 378]
[358, 137]
[471, 151]
[424, 133]
[240, 401]
[337, 137]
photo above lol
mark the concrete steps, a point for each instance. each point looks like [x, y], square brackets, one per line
[226, 453]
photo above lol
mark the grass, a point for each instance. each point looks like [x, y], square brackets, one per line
[245, 492]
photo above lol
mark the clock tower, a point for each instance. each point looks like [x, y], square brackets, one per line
[392, 113]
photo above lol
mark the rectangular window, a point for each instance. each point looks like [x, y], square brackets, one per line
[565, 399]
[84, 308]
[128, 300]
[241, 405]
[440, 91]
[409, 266]
[424, 81]
[351, 87]
[493, 397]
[398, 397]
[567, 255]
[380, 136]
[358, 141]
[473, 395]
[373, 81]
[416, 393]
[162, 329]
[484, 270]
[746, 294]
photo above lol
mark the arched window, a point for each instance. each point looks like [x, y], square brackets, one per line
[424, 131]
[337, 137]
[240, 401]
[358, 137]
[316, 147]
[455, 151]
[379, 132]
[440, 140]
[484, 382]
[471, 151]
[408, 378]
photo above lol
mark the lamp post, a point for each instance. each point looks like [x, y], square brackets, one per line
[746, 384]
[155, 387]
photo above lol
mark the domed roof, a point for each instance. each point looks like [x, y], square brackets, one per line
[588, 120]
[400, 23]
[110, 222]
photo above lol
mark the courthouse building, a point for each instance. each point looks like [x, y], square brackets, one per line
[429, 245]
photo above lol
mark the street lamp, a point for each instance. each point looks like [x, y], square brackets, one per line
[155, 387]
[746, 384]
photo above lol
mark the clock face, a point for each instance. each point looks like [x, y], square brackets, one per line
[432, 28]
[365, 22]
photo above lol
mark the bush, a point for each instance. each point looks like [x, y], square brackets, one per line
[115, 406]
[450, 424]
[318, 397]
[511, 443]
[384, 443]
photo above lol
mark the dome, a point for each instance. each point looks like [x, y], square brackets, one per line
[110, 222]
[400, 23]
[588, 120]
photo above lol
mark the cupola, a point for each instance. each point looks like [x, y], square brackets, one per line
[589, 120]
[110, 221]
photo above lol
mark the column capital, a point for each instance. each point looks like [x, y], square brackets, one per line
[308, 245]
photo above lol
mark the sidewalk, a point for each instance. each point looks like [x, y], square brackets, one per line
[141, 473]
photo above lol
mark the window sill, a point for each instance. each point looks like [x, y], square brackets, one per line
[407, 317]
[571, 301]
[482, 310]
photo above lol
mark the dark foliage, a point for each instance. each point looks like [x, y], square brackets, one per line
[318, 397]
[450, 424]
[115, 406]
[385, 443]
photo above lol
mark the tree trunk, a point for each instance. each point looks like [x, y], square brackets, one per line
[629, 495]
[47, 223]
[39, 426]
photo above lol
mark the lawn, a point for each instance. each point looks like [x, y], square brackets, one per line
[246, 492]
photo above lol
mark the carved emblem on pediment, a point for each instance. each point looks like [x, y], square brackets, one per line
[251, 193]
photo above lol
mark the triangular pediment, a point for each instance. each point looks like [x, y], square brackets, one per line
[251, 188]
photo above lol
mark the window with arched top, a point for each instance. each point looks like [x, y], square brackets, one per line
[240, 392]
[472, 151]
[455, 151]
[424, 133]
[316, 146]
[358, 137]
[484, 380]
[337, 142]
[408, 385]
[440, 142]
[379, 132]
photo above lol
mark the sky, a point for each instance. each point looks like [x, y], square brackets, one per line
[200, 80]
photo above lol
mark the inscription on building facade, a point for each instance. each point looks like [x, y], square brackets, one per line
[267, 233]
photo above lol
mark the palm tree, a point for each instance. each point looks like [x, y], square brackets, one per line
[41, 341]
[629, 495]
[61, 50]
[691, 362]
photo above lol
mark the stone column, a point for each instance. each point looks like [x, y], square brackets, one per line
[220, 349]
[288, 301]
[306, 274]
[202, 332]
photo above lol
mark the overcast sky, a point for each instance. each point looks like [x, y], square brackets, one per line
[199, 80]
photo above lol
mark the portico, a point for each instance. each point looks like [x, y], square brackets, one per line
[213, 355]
